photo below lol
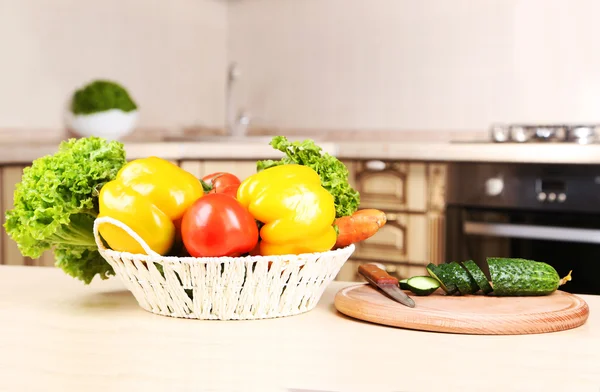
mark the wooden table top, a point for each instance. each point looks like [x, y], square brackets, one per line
[57, 334]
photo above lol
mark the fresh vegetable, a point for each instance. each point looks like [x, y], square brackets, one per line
[422, 285]
[442, 277]
[297, 213]
[56, 202]
[333, 173]
[509, 277]
[403, 284]
[359, 226]
[474, 287]
[221, 182]
[521, 277]
[478, 276]
[149, 195]
[218, 225]
[459, 277]
[101, 95]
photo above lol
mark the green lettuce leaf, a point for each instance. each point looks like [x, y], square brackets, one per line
[56, 202]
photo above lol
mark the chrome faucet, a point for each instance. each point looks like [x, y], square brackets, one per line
[236, 121]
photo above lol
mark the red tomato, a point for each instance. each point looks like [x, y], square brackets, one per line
[230, 190]
[218, 225]
[222, 182]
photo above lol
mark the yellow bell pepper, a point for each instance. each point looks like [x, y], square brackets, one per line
[297, 212]
[150, 196]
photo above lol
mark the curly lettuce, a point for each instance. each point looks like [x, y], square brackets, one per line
[334, 174]
[56, 202]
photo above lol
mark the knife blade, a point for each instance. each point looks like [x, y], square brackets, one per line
[386, 283]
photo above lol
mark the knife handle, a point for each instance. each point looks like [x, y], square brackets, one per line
[376, 274]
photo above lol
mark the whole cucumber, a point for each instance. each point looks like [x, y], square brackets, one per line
[522, 277]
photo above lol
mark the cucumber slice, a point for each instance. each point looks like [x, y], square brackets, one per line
[478, 275]
[423, 285]
[438, 274]
[403, 284]
[521, 277]
[474, 287]
[449, 274]
[462, 279]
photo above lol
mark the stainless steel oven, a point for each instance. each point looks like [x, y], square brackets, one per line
[548, 213]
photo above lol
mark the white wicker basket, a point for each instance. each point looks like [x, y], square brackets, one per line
[223, 288]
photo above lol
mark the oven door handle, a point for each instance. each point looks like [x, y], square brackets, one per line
[512, 230]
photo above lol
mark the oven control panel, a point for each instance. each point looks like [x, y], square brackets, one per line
[494, 186]
[551, 190]
[542, 187]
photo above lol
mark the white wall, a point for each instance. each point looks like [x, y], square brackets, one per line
[336, 64]
[405, 64]
[171, 55]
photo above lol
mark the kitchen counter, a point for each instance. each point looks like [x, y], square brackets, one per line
[58, 335]
[396, 150]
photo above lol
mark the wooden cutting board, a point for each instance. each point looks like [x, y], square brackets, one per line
[469, 314]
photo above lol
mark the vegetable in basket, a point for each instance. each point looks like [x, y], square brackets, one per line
[56, 202]
[333, 173]
[359, 226]
[149, 195]
[352, 225]
[297, 212]
[218, 225]
[221, 182]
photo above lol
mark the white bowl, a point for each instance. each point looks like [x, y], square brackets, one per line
[109, 124]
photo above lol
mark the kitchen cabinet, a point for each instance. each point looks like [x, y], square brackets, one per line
[242, 169]
[349, 273]
[10, 176]
[10, 254]
[412, 194]
[394, 186]
[403, 238]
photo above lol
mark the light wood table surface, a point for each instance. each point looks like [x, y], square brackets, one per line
[58, 335]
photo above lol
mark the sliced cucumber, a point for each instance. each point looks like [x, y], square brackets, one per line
[438, 274]
[474, 287]
[404, 285]
[449, 274]
[478, 275]
[423, 285]
[461, 278]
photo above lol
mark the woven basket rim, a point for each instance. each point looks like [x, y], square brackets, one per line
[286, 258]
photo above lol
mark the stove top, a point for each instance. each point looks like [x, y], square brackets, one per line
[528, 133]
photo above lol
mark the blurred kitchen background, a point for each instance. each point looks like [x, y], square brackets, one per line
[384, 71]
[390, 65]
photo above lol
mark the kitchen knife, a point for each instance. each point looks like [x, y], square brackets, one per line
[386, 283]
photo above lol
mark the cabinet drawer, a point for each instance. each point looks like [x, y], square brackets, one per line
[436, 186]
[242, 169]
[392, 185]
[349, 272]
[11, 175]
[402, 239]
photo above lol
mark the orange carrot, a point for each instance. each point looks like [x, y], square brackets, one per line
[359, 226]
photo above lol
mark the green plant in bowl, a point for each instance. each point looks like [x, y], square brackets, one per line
[103, 108]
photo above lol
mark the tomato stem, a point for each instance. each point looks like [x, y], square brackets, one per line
[207, 187]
